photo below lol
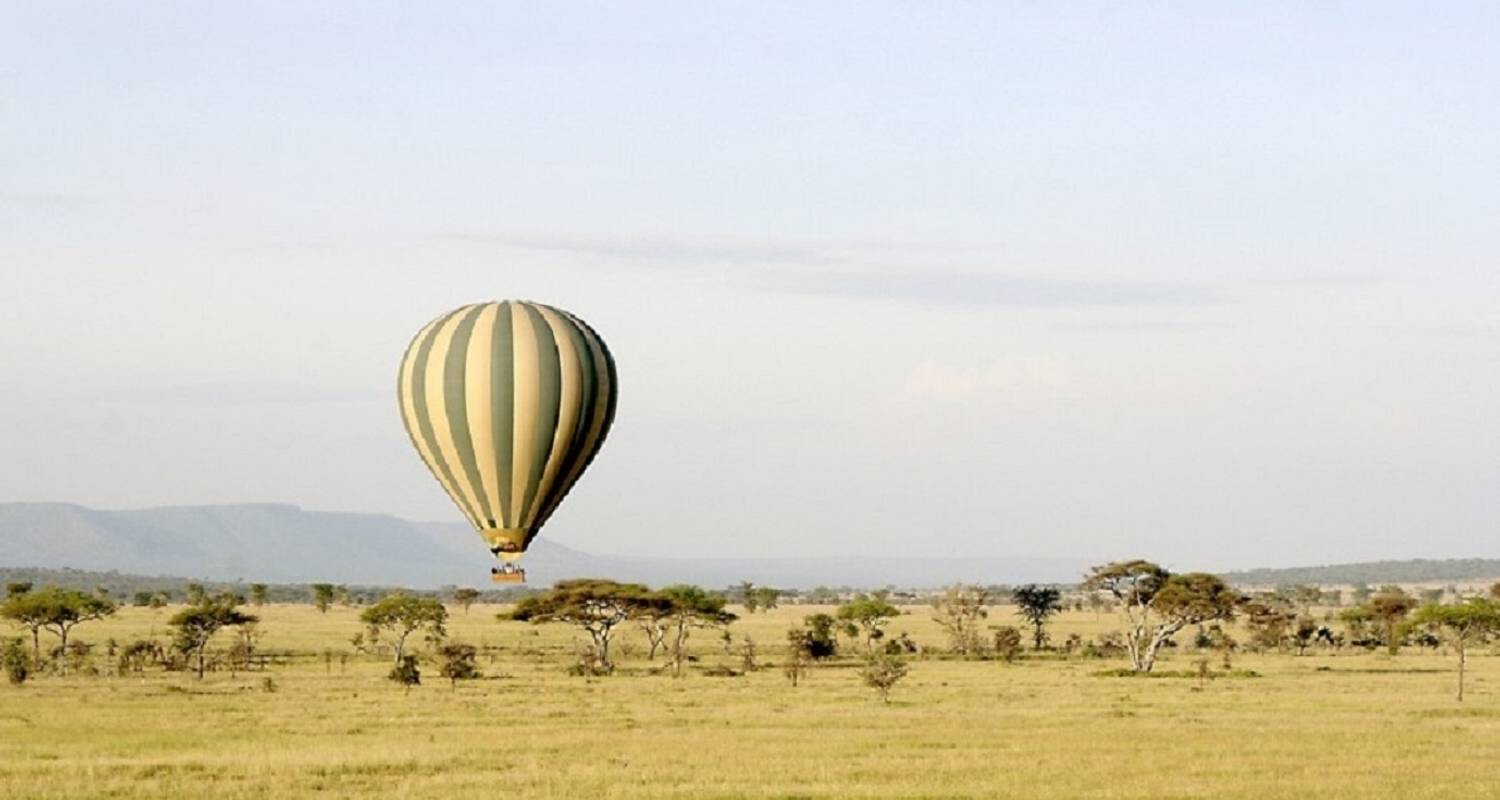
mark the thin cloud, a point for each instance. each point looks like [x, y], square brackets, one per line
[858, 270]
[981, 289]
[665, 252]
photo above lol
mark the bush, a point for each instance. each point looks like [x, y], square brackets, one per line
[16, 661]
[458, 662]
[135, 656]
[406, 673]
[1007, 642]
[882, 672]
[903, 644]
[819, 638]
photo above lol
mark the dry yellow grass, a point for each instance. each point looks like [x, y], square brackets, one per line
[1326, 726]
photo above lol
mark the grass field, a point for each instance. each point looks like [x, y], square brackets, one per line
[1351, 725]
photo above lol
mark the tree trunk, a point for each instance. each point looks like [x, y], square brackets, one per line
[1461, 659]
[201, 649]
[677, 649]
[1163, 633]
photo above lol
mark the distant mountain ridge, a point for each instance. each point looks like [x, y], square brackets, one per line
[281, 543]
[1416, 570]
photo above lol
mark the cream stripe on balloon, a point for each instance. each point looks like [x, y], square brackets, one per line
[478, 401]
[527, 404]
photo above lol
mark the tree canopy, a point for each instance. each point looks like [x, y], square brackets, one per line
[55, 610]
[196, 625]
[596, 605]
[867, 614]
[403, 614]
[1035, 604]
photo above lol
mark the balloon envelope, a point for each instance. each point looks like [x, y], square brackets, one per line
[507, 403]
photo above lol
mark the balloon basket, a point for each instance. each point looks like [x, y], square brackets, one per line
[507, 574]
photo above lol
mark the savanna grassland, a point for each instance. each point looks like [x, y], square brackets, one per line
[1345, 725]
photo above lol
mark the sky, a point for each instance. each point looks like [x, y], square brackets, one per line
[1212, 284]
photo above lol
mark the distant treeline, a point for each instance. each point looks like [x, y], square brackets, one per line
[124, 588]
[1417, 570]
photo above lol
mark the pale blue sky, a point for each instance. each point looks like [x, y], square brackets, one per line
[1212, 285]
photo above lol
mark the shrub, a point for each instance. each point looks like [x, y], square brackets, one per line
[458, 662]
[1007, 642]
[405, 672]
[882, 672]
[16, 661]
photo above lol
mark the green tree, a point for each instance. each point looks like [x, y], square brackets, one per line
[867, 615]
[683, 607]
[744, 591]
[458, 662]
[322, 596]
[403, 614]
[1359, 592]
[15, 661]
[1306, 596]
[1007, 642]
[596, 605]
[55, 610]
[1158, 604]
[18, 588]
[141, 599]
[1269, 622]
[818, 636]
[406, 673]
[882, 672]
[195, 626]
[767, 598]
[1462, 624]
[1389, 608]
[465, 597]
[196, 594]
[259, 593]
[1035, 604]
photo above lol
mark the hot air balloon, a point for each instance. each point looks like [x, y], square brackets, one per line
[507, 403]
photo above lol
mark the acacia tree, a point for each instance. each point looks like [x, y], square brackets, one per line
[867, 615]
[1306, 596]
[1158, 604]
[403, 614]
[458, 662]
[767, 598]
[959, 612]
[882, 672]
[1462, 624]
[55, 610]
[465, 597]
[259, 592]
[1035, 604]
[196, 625]
[1268, 620]
[322, 596]
[745, 592]
[1390, 608]
[596, 605]
[686, 607]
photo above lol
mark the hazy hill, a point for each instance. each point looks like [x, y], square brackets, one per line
[286, 544]
[1417, 570]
